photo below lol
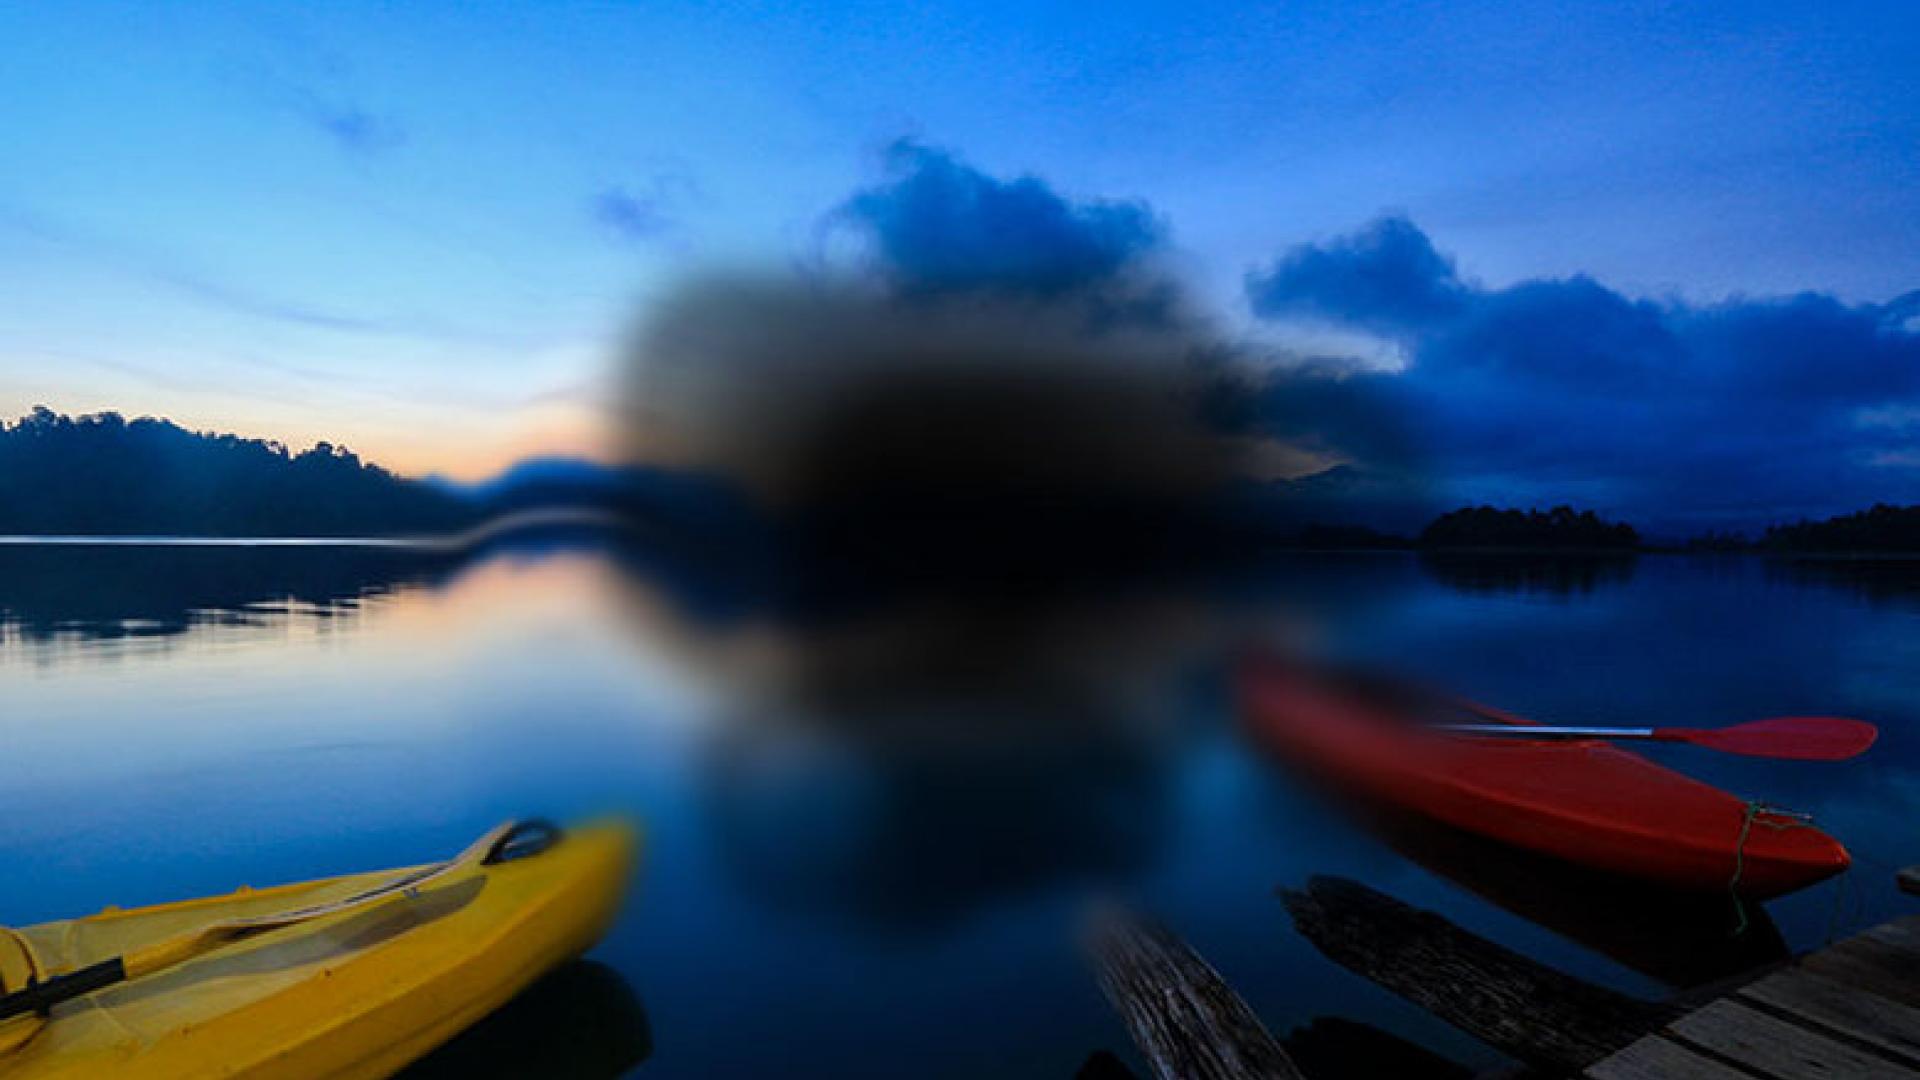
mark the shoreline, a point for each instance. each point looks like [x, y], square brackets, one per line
[533, 519]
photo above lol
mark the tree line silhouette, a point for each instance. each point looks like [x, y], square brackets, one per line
[106, 475]
[103, 474]
[1881, 528]
[1560, 527]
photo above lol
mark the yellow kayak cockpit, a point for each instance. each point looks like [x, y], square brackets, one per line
[350, 976]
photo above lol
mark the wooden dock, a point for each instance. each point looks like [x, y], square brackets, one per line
[1851, 1009]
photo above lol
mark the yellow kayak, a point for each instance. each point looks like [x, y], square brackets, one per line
[344, 977]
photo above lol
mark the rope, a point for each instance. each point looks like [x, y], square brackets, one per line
[1793, 819]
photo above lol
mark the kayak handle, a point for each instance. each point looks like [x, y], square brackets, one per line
[523, 840]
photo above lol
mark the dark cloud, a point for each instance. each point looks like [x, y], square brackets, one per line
[1386, 277]
[968, 455]
[1001, 344]
[938, 224]
[1574, 333]
[822, 390]
[1739, 412]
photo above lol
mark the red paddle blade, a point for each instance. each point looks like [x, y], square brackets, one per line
[1802, 738]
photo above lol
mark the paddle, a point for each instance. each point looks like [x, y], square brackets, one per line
[38, 997]
[1800, 738]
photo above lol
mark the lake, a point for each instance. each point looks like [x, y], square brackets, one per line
[866, 895]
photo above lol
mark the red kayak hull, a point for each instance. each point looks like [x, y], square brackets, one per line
[1586, 802]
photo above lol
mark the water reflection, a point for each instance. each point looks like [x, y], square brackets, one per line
[1336, 1048]
[1682, 940]
[1892, 581]
[1558, 574]
[113, 591]
[898, 839]
[579, 1022]
[895, 762]
[837, 833]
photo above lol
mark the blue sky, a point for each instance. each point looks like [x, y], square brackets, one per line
[421, 229]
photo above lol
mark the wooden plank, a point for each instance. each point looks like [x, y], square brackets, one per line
[1868, 967]
[1909, 880]
[1654, 1058]
[1858, 1014]
[1775, 1048]
[1901, 936]
[1186, 1020]
[1515, 1004]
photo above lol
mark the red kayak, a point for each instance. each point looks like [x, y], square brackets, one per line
[1587, 801]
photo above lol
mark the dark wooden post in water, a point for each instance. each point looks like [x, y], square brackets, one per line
[1187, 1022]
[1520, 1007]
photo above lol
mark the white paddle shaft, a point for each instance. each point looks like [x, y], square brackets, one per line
[1534, 731]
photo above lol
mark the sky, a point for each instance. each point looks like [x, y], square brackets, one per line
[424, 230]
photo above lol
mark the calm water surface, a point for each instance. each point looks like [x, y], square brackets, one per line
[177, 721]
